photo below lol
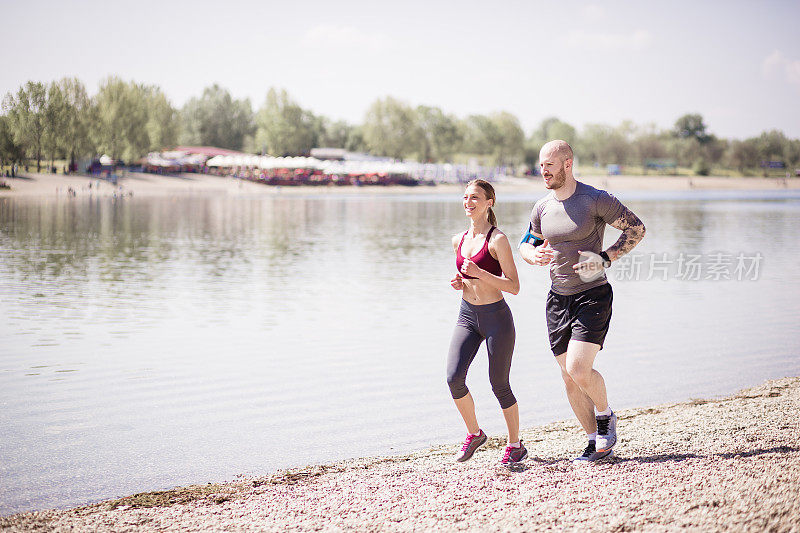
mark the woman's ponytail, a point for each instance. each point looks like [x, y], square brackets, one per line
[492, 218]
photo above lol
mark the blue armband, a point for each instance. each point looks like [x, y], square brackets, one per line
[532, 239]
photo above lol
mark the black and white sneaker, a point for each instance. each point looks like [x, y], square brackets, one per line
[590, 454]
[606, 432]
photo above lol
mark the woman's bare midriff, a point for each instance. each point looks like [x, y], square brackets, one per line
[479, 292]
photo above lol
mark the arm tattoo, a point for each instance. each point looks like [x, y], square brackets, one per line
[632, 232]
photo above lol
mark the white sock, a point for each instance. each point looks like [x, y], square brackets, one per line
[476, 434]
[513, 444]
[607, 412]
[592, 436]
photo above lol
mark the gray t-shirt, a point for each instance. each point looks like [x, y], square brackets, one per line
[575, 224]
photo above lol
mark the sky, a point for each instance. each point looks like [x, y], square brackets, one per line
[737, 63]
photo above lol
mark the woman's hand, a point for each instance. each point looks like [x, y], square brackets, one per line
[457, 282]
[470, 269]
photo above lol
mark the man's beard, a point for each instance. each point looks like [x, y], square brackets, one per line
[558, 179]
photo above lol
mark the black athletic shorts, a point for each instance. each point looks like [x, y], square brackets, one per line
[584, 316]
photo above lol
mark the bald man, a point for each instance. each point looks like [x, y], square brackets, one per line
[566, 233]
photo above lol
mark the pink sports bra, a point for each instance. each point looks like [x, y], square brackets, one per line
[483, 258]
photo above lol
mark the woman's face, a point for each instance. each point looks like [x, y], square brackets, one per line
[476, 205]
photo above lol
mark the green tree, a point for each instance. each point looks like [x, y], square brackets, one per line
[391, 129]
[691, 126]
[163, 123]
[283, 127]
[122, 116]
[79, 115]
[743, 155]
[689, 134]
[55, 118]
[216, 119]
[355, 140]
[531, 153]
[603, 144]
[647, 143]
[792, 153]
[332, 134]
[509, 143]
[714, 149]
[26, 114]
[480, 135]
[10, 151]
[440, 135]
[773, 146]
[551, 129]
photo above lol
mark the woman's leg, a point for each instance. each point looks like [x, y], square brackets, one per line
[511, 414]
[463, 347]
[500, 345]
[466, 407]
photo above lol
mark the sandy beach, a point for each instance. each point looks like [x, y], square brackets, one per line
[140, 184]
[725, 464]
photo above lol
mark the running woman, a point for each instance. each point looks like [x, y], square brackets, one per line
[566, 232]
[485, 269]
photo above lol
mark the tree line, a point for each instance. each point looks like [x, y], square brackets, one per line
[126, 120]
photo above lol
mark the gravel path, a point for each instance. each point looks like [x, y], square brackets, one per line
[729, 464]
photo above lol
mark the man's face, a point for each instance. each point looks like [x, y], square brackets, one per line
[553, 170]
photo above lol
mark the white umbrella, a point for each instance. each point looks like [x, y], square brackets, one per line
[194, 159]
[216, 161]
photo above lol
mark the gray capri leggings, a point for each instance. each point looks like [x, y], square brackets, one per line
[494, 323]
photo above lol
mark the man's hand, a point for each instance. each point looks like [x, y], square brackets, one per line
[589, 266]
[457, 282]
[543, 255]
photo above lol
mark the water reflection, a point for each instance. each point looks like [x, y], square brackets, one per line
[147, 343]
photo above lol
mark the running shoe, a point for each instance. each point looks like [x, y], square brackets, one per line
[606, 432]
[514, 455]
[472, 443]
[590, 454]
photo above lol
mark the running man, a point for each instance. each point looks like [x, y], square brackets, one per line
[566, 232]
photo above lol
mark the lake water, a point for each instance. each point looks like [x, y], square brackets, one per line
[150, 343]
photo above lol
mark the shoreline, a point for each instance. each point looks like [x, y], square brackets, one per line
[149, 185]
[731, 463]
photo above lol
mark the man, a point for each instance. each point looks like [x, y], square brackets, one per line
[566, 232]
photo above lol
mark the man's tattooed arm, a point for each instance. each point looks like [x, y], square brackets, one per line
[632, 232]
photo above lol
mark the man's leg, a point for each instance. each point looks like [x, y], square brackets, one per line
[578, 364]
[580, 367]
[584, 385]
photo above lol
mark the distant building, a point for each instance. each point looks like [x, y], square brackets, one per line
[208, 151]
[329, 154]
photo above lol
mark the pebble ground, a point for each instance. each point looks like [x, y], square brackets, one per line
[730, 464]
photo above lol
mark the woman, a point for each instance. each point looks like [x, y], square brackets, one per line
[486, 269]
